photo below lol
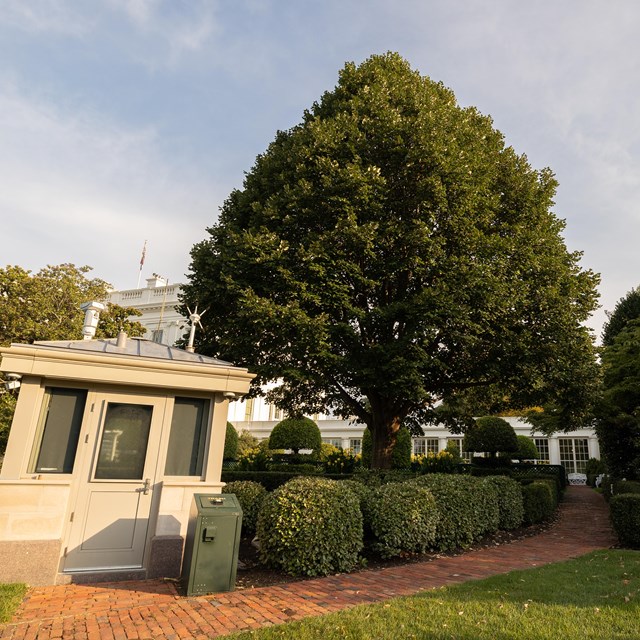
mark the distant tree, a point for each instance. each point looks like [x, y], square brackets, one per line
[230, 443]
[618, 414]
[490, 435]
[246, 442]
[295, 434]
[626, 309]
[116, 318]
[390, 252]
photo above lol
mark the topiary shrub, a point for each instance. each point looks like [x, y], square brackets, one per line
[457, 524]
[401, 454]
[363, 493]
[510, 504]
[296, 434]
[250, 496]
[538, 502]
[625, 517]
[490, 435]
[527, 449]
[626, 486]
[403, 518]
[311, 526]
[230, 443]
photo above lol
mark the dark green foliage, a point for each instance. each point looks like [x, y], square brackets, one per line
[541, 471]
[390, 251]
[626, 486]
[510, 502]
[593, 469]
[7, 407]
[626, 309]
[270, 480]
[230, 443]
[296, 434]
[250, 496]
[365, 453]
[311, 526]
[490, 435]
[401, 456]
[625, 517]
[618, 413]
[538, 502]
[527, 449]
[457, 526]
[403, 518]
[486, 505]
[363, 493]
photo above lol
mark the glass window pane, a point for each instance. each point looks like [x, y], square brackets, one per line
[123, 448]
[185, 456]
[59, 427]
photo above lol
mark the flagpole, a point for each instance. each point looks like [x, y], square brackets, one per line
[144, 253]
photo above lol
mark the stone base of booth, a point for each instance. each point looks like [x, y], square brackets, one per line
[92, 577]
[32, 561]
[165, 558]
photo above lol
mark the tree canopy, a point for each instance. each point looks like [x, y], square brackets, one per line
[626, 309]
[618, 423]
[490, 435]
[391, 252]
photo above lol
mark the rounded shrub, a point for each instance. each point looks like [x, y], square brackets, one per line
[250, 496]
[510, 506]
[490, 435]
[527, 449]
[487, 505]
[538, 502]
[230, 443]
[403, 518]
[625, 517]
[311, 526]
[296, 434]
[457, 523]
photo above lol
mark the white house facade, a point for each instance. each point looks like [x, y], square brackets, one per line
[158, 303]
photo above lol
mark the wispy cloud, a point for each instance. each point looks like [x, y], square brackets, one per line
[46, 16]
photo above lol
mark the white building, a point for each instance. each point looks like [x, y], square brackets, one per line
[158, 303]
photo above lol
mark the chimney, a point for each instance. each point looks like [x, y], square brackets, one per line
[91, 316]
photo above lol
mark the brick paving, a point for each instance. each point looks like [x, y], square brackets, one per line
[154, 609]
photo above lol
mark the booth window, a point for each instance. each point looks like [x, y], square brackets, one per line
[185, 456]
[56, 440]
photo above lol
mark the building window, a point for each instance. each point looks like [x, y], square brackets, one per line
[355, 444]
[574, 453]
[185, 456]
[542, 444]
[58, 430]
[157, 335]
[424, 446]
[275, 413]
[336, 442]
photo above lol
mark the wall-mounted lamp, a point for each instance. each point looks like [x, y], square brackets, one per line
[229, 394]
[12, 381]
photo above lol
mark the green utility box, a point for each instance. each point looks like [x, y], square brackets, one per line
[211, 548]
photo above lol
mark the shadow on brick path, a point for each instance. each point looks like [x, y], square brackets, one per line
[154, 609]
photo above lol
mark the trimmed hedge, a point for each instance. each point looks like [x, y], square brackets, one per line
[296, 434]
[626, 486]
[230, 443]
[457, 526]
[250, 496]
[538, 502]
[510, 503]
[625, 517]
[311, 526]
[403, 518]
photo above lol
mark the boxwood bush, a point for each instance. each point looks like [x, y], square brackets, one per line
[457, 524]
[510, 505]
[625, 517]
[311, 526]
[250, 496]
[403, 517]
[538, 502]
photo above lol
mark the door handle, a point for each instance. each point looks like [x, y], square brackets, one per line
[146, 486]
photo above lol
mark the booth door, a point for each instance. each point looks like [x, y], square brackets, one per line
[111, 518]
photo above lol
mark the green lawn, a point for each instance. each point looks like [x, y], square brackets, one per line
[594, 597]
[10, 598]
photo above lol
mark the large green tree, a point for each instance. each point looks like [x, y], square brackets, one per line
[46, 306]
[626, 309]
[618, 423]
[390, 252]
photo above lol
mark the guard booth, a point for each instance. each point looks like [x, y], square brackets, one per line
[109, 443]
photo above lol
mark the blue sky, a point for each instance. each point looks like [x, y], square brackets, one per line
[125, 121]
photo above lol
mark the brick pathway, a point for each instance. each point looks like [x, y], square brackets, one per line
[154, 610]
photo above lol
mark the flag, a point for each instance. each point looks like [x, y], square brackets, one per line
[144, 253]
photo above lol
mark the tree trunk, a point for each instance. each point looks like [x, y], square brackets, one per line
[383, 439]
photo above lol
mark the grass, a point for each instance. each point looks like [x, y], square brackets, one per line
[593, 597]
[10, 598]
